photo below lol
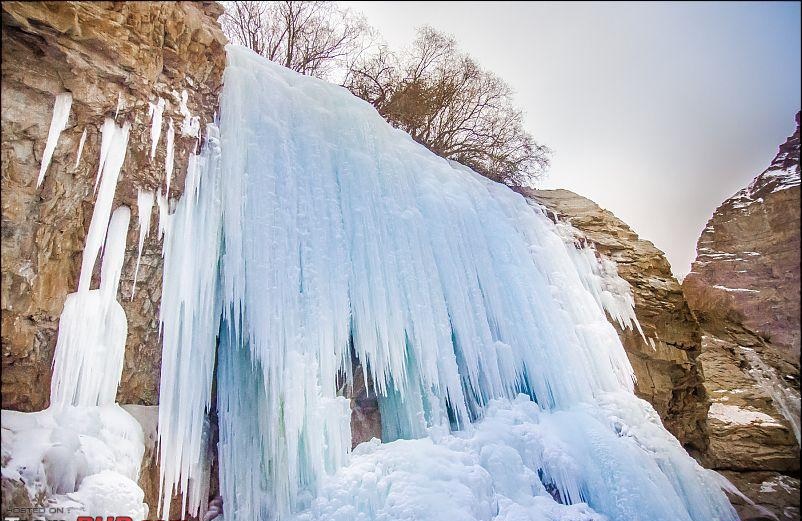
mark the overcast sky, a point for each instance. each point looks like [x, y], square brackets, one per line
[658, 112]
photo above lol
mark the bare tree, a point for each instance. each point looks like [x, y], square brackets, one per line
[446, 102]
[314, 38]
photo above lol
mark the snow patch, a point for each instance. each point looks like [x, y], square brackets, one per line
[785, 398]
[85, 459]
[735, 290]
[736, 415]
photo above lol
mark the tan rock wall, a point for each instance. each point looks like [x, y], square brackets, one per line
[744, 289]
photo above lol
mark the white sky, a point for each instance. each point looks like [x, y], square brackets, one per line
[658, 112]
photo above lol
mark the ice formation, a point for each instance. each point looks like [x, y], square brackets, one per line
[112, 155]
[169, 157]
[90, 348]
[189, 317]
[80, 148]
[92, 329]
[599, 275]
[61, 113]
[144, 205]
[311, 232]
[155, 111]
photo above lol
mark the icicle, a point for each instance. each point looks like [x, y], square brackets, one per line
[107, 132]
[189, 317]
[144, 205]
[112, 156]
[164, 214]
[168, 157]
[155, 112]
[191, 124]
[80, 148]
[90, 348]
[114, 252]
[61, 113]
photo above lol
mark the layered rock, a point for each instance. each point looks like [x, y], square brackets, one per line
[744, 288]
[115, 59]
[751, 442]
[665, 361]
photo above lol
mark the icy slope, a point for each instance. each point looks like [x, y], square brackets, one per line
[313, 229]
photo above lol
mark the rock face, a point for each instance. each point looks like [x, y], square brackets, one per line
[668, 373]
[747, 268]
[115, 59]
[744, 288]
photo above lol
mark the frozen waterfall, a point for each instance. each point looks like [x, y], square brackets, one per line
[311, 232]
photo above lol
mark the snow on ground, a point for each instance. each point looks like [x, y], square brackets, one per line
[86, 458]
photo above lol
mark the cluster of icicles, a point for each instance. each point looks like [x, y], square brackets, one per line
[64, 450]
[311, 234]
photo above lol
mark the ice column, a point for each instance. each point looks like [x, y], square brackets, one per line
[144, 204]
[93, 328]
[155, 112]
[80, 148]
[319, 233]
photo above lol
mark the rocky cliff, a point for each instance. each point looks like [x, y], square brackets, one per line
[665, 358]
[131, 62]
[744, 288]
[116, 60]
